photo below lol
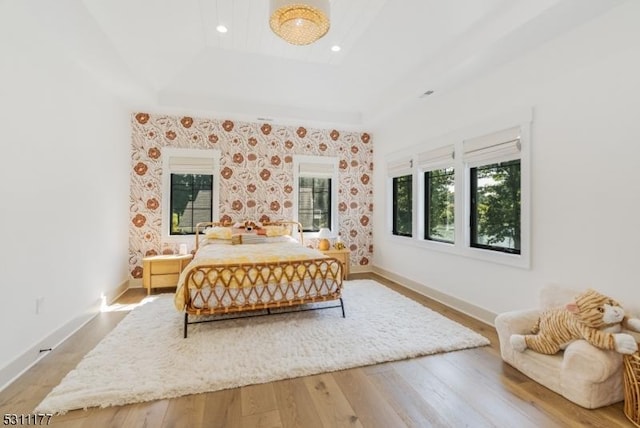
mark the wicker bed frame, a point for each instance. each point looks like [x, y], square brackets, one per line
[285, 278]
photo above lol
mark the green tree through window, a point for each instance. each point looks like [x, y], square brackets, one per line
[191, 202]
[439, 205]
[402, 205]
[495, 206]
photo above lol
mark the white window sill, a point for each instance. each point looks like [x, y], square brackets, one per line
[521, 261]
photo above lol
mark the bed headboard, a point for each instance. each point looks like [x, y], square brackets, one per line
[294, 225]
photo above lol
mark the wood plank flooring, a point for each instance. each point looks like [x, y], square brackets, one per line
[471, 388]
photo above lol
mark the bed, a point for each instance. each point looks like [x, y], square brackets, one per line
[253, 269]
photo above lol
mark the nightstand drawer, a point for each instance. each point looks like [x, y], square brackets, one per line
[168, 280]
[165, 266]
[163, 271]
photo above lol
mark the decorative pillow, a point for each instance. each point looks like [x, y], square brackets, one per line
[276, 230]
[218, 232]
[248, 238]
[206, 241]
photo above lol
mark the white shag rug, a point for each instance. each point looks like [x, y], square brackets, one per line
[146, 358]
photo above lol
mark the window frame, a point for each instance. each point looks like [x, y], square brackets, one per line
[326, 161]
[394, 205]
[330, 184]
[398, 167]
[172, 186]
[426, 204]
[473, 218]
[170, 153]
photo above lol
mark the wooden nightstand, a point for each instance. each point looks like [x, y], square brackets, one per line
[163, 271]
[344, 256]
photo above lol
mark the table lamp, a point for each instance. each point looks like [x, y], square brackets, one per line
[324, 236]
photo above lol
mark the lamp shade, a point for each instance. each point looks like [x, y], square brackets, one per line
[300, 22]
[324, 233]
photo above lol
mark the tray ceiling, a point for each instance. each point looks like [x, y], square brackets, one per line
[391, 52]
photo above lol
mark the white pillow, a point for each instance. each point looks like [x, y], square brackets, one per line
[218, 232]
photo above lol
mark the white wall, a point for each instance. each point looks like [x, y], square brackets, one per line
[585, 92]
[64, 175]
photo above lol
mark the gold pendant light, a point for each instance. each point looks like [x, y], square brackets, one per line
[300, 22]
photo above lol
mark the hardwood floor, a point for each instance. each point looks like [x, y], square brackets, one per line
[471, 388]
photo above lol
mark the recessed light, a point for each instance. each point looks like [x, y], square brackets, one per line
[222, 29]
[335, 48]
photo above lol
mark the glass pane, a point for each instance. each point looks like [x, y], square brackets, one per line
[402, 205]
[495, 205]
[439, 210]
[314, 203]
[191, 200]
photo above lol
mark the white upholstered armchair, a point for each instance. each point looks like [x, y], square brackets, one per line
[582, 373]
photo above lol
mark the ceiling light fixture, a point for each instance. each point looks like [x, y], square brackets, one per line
[221, 29]
[300, 22]
[335, 48]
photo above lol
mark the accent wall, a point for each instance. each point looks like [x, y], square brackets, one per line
[256, 176]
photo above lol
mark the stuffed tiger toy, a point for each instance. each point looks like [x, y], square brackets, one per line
[592, 316]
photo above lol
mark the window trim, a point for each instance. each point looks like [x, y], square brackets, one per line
[172, 152]
[393, 205]
[329, 219]
[172, 186]
[319, 160]
[473, 218]
[425, 205]
[397, 167]
[522, 260]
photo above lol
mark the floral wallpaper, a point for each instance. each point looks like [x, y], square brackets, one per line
[256, 176]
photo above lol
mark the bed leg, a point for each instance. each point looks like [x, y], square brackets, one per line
[342, 306]
[186, 323]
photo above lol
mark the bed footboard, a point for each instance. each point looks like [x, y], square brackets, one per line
[232, 288]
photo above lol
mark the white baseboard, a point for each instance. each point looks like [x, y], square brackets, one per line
[460, 305]
[114, 294]
[360, 269]
[24, 362]
[135, 283]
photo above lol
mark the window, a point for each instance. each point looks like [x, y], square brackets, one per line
[439, 205]
[495, 207]
[402, 201]
[438, 188]
[314, 203]
[315, 199]
[495, 191]
[190, 202]
[400, 173]
[190, 190]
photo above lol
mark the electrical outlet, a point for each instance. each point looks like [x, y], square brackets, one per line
[39, 305]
